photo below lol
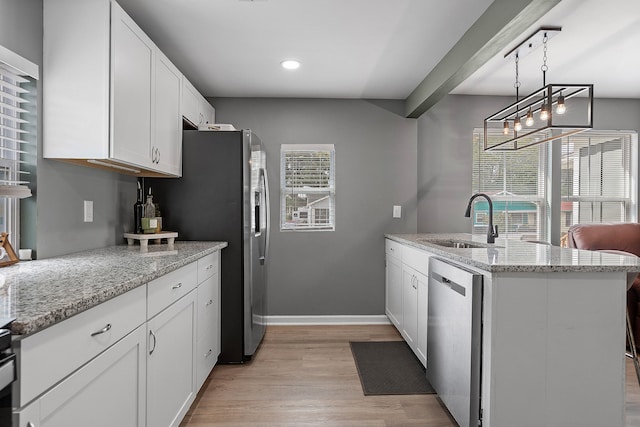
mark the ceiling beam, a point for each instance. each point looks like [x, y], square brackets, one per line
[500, 25]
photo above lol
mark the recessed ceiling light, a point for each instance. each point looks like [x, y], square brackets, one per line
[290, 64]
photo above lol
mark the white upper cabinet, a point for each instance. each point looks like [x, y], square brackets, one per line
[111, 98]
[195, 108]
[208, 113]
[167, 123]
[132, 62]
[190, 102]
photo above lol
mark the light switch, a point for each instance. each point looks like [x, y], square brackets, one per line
[88, 211]
[397, 211]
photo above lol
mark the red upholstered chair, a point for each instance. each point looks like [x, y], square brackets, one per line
[623, 237]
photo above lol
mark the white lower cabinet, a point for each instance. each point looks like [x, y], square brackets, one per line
[393, 290]
[409, 328]
[108, 367]
[422, 283]
[108, 391]
[171, 384]
[406, 300]
[208, 347]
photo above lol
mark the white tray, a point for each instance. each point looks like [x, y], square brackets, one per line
[144, 238]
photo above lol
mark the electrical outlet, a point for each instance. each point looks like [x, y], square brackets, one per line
[397, 211]
[88, 211]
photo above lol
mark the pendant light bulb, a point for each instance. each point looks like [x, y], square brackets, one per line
[529, 120]
[561, 107]
[544, 112]
[517, 126]
[505, 128]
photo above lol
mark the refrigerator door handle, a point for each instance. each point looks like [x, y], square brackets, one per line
[267, 211]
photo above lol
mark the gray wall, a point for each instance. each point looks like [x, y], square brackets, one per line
[52, 219]
[339, 272]
[445, 155]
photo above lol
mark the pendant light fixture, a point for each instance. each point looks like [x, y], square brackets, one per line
[517, 126]
[561, 108]
[545, 119]
[529, 121]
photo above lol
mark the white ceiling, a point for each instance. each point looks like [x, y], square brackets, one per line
[599, 43]
[379, 48]
[348, 48]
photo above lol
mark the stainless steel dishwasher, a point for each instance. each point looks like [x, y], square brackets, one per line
[454, 342]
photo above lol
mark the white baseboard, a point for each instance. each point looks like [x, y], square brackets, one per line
[328, 320]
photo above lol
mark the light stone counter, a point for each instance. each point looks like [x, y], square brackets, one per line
[43, 292]
[519, 256]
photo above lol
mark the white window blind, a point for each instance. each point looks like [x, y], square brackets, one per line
[307, 185]
[597, 184]
[598, 178]
[18, 114]
[12, 124]
[515, 182]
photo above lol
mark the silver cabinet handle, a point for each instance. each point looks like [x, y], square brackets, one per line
[30, 424]
[152, 335]
[209, 303]
[209, 267]
[102, 331]
[208, 353]
[178, 286]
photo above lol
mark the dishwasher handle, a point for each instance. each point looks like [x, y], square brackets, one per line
[449, 283]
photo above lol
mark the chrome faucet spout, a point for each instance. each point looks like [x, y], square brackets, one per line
[492, 232]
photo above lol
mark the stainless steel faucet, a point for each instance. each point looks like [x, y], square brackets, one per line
[491, 233]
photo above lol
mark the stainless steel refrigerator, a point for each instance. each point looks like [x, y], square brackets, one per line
[223, 195]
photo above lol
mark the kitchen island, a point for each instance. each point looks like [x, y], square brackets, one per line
[113, 334]
[553, 325]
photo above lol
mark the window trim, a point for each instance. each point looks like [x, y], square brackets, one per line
[328, 192]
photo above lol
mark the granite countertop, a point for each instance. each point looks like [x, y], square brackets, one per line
[43, 292]
[519, 256]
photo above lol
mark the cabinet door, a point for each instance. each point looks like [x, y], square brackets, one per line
[166, 149]
[208, 348]
[208, 113]
[170, 363]
[190, 102]
[393, 290]
[132, 54]
[423, 302]
[108, 391]
[409, 306]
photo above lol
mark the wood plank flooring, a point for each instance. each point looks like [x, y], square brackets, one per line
[306, 376]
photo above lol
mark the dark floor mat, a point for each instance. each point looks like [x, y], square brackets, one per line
[389, 367]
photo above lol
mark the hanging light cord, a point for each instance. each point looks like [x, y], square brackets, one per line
[544, 66]
[517, 83]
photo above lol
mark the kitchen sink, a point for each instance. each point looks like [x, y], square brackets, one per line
[454, 243]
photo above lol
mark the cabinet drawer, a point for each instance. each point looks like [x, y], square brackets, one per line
[50, 355]
[416, 259]
[169, 288]
[208, 266]
[393, 248]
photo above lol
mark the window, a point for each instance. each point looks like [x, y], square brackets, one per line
[596, 184]
[307, 187]
[597, 178]
[515, 182]
[17, 109]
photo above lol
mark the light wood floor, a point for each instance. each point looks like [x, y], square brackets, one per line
[305, 376]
